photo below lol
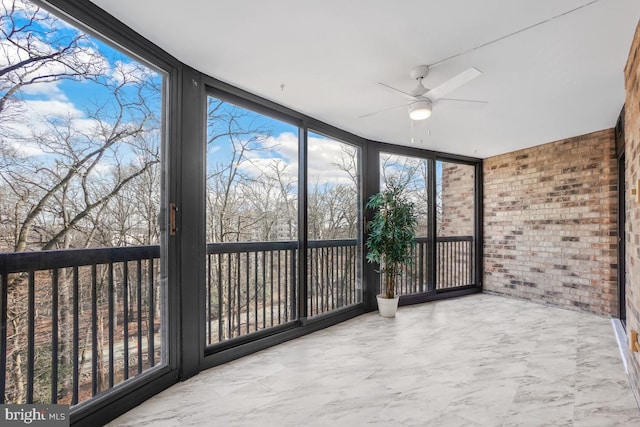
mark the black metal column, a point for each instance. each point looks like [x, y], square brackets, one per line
[479, 233]
[191, 223]
[431, 223]
[303, 310]
[371, 179]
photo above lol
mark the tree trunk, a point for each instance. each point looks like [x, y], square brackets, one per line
[389, 278]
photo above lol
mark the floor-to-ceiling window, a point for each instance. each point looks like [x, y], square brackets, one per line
[334, 215]
[412, 174]
[81, 176]
[455, 224]
[251, 217]
[444, 192]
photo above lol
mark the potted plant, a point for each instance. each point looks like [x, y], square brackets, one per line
[392, 233]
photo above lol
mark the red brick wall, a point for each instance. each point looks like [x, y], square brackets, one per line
[550, 223]
[632, 174]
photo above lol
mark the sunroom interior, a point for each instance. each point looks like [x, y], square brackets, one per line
[185, 186]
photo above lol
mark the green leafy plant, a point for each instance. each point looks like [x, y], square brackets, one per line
[392, 233]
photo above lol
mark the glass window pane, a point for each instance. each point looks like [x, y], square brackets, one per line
[455, 209]
[412, 174]
[334, 224]
[80, 169]
[252, 176]
[252, 196]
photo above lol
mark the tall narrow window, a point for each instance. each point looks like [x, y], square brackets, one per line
[252, 230]
[81, 130]
[455, 212]
[334, 215]
[412, 175]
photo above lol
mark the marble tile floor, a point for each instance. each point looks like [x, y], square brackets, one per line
[479, 360]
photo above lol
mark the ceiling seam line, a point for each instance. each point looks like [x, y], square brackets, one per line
[513, 33]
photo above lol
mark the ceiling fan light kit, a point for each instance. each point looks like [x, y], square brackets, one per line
[422, 98]
[420, 110]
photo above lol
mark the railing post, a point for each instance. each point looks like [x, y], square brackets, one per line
[248, 290]
[139, 309]
[3, 331]
[220, 295]
[293, 284]
[208, 309]
[151, 316]
[419, 269]
[125, 321]
[31, 312]
[54, 333]
[111, 308]
[76, 336]
[95, 387]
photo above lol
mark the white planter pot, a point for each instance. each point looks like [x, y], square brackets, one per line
[387, 306]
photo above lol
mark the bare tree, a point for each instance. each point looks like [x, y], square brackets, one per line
[412, 175]
[56, 193]
[33, 51]
[286, 203]
[71, 161]
[399, 171]
[245, 136]
[348, 163]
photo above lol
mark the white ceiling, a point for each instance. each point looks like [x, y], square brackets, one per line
[559, 79]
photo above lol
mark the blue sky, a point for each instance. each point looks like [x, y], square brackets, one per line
[66, 97]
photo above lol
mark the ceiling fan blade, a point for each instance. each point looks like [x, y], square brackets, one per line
[452, 84]
[464, 100]
[381, 111]
[405, 94]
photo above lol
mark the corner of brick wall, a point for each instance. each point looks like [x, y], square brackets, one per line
[632, 215]
[550, 223]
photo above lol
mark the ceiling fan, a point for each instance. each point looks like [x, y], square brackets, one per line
[421, 99]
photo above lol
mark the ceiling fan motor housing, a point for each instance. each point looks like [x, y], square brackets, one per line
[419, 72]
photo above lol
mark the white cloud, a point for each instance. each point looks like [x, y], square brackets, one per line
[281, 151]
[26, 148]
[285, 145]
[34, 113]
[48, 108]
[129, 72]
[277, 150]
[324, 157]
[50, 90]
[34, 120]
[102, 169]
